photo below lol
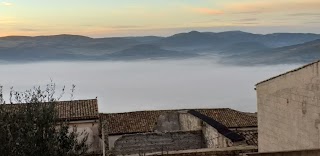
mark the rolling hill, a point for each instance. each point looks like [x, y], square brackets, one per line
[300, 53]
[231, 46]
[146, 51]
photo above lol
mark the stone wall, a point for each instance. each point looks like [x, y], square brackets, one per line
[289, 111]
[189, 122]
[154, 142]
[214, 139]
[168, 122]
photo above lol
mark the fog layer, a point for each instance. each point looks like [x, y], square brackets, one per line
[147, 85]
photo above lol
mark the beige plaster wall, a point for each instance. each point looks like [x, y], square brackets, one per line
[289, 111]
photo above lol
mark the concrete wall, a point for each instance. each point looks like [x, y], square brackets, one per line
[189, 122]
[289, 111]
[112, 139]
[153, 142]
[214, 139]
[92, 128]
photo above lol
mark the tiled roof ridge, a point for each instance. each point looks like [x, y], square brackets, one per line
[244, 113]
[103, 113]
[143, 121]
[291, 71]
[75, 100]
[54, 101]
[68, 110]
[80, 118]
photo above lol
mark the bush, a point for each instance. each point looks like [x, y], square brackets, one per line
[31, 127]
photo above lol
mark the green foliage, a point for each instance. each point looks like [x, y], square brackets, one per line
[32, 127]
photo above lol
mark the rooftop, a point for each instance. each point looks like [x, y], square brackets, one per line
[144, 121]
[78, 109]
[222, 129]
[71, 110]
[251, 136]
[291, 71]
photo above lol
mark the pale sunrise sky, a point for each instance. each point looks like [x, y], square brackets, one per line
[105, 18]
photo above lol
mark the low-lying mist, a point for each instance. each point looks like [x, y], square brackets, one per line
[147, 85]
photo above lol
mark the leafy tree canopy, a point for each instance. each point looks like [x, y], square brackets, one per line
[29, 125]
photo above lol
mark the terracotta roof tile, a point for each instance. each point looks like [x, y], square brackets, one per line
[230, 118]
[131, 122]
[144, 121]
[222, 129]
[251, 136]
[70, 110]
[78, 109]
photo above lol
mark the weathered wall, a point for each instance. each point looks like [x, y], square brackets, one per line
[168, 122]
[153, 142]
[189, 122]
[92, 128]
[213, 138]
[289, 111]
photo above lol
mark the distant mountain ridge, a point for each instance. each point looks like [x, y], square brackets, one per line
[300, 53]
[233, 46]
[145, 51]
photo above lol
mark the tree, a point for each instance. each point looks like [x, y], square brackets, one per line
[32, 127]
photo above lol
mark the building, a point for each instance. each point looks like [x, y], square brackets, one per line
[289, 110]
[84, 115]
[177, 130]
[174, 132]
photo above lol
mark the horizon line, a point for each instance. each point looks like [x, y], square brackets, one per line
[66, 34]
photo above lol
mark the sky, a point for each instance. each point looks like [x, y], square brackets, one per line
[106, 18]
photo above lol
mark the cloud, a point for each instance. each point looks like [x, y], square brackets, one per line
[29, 29]
[272, 6]
[304, 14]
[246, 23]
[249, 12]
[126, 26]
[313, 22]
[6, 3]
[248, 19]
[207, 11]
[7, 20]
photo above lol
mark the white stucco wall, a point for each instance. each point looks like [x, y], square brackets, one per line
[289, 111]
